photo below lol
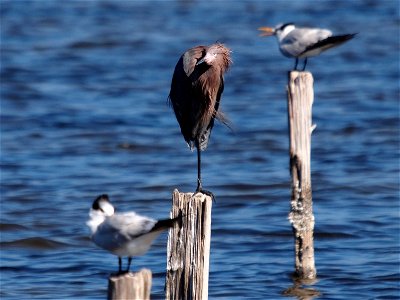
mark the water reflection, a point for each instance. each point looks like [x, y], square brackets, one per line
[301, 292]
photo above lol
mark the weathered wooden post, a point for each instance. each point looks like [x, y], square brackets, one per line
[189, 247]
[130, 286]
[300, 100]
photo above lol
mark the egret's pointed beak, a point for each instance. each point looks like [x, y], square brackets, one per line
[266, 31]
[200, 61]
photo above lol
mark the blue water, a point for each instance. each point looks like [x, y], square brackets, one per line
[84, 88]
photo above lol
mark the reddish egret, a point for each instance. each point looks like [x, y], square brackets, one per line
[304, 42]
[123, 234]
[196, 89]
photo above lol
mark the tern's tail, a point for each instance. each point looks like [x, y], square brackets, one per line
[339, 39]
[165, 224]
[329, 42]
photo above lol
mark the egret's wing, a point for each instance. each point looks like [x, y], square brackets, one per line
[180, 95]
[215, 114]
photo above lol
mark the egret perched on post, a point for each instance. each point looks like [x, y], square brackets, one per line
[304, 42]
[196, 89]
[123, 234]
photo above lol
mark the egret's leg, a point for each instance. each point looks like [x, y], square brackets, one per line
[199, 188]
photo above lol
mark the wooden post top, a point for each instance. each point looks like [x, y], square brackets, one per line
[130, 285]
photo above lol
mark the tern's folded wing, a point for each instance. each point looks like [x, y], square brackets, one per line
[329, 42]
[130, 225]
[298, 40]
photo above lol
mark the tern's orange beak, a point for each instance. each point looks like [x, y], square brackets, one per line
[266, 31]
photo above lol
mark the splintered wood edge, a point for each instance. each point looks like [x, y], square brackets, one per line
[198, 196]
[295, 74]
[145, 273]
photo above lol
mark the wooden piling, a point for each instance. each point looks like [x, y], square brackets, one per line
[130, 286]
[300, 100]
[189, 247]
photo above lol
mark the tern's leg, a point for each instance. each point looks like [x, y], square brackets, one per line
[129, 263]
[199, 188]
[295, 64]
[305, 63]
[120, 264]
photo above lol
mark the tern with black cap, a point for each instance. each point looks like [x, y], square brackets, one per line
[124, 234]
[304, 42]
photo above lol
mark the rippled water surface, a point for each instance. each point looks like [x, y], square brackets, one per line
[84, 111]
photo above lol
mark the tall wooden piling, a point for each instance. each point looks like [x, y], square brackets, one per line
[300, 100]
[130, 286]
[189, 247]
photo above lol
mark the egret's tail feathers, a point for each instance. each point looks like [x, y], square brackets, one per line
[220, 116]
